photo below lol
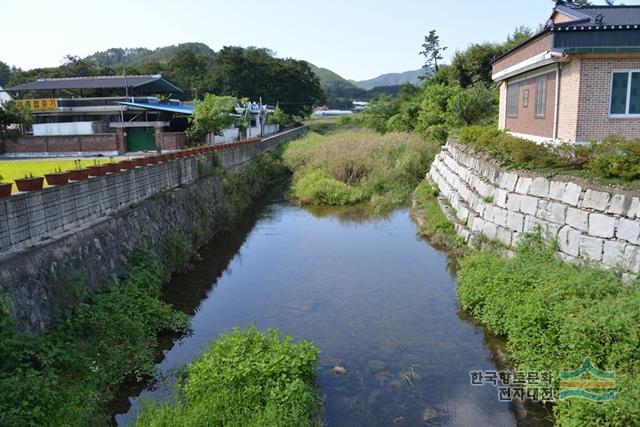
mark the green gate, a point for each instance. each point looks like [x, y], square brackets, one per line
[141, 139]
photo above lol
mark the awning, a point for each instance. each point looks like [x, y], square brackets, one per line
[180, 109]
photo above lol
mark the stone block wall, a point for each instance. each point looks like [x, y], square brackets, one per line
[588, 222]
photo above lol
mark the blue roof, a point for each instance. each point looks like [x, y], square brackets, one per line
[182, 109]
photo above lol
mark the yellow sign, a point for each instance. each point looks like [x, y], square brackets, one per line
[43, 104]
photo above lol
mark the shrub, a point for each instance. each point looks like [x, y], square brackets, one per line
[474, 105]
[616, 157]
[554, 315]
[244, 378]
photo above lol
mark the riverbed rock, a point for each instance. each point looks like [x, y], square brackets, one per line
[340, 370]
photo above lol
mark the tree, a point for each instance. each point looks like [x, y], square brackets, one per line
[12, 114]
[189, 72]
[474, 105]
[432, 51]
[5, 73]
[211, 115]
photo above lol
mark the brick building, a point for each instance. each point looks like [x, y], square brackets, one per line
[576, 80]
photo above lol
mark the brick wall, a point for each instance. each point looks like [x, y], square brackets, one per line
[570, 75]
[593, 118]
[102, 142]
[527, 122]
[530, 49]
[29, 218]
[172, 140]
[588, 222]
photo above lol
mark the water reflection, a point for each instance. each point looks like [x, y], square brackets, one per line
[374, 298]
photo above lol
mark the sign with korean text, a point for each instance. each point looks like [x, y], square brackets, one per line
[42, 104]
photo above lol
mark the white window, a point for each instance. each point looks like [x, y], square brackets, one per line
[541, 97]
[625, 93]
[513, 98]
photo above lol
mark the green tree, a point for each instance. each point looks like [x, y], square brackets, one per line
[477, 104]
[5, 73]
[211, 115]
[12, 114]
[189, 72]
[279, 117]
[432, 51]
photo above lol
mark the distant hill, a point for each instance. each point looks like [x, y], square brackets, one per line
[392, 79]
[331, 80]
[140, 55]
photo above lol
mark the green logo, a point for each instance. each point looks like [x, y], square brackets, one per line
[588, 382]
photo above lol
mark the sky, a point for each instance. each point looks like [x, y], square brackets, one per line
[358, 39]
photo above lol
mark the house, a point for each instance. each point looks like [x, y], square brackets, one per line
[96, 105]
[577, 80]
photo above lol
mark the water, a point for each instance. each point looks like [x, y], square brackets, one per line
[374, 297]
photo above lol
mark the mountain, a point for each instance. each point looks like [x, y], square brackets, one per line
[140, 55]
[330, 80]
[392, 79]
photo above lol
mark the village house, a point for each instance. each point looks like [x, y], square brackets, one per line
[577, 80]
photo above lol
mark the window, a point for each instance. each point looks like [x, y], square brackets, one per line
[625, 93]
[541, 97]
[525, 98]
[513, 97]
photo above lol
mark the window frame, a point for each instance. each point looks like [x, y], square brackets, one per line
[541, 102]
[626, 114]
[511, 98]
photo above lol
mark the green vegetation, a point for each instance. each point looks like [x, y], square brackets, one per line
[433, 223]
[245, 378]
[196, 69]
[11, 113]
[15, 169]
[554, 315]
[354, 166]
[67, 374]
[212, 115]
[614, 160]
[455, 96]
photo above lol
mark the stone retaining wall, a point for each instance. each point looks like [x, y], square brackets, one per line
[589, 222]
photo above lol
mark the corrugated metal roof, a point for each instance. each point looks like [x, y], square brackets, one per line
[155, 83]
[182, 109]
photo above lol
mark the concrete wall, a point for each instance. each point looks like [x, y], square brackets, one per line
[588, 222]
[90, 226]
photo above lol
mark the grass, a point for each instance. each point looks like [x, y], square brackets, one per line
[66, 375]
[554, 315]
[245, 378]
[349, 166]
[433, 223]
[10, 170]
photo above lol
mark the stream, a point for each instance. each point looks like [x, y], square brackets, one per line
[376, 299]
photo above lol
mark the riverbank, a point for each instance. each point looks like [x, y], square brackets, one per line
[67, 374]
[552, 314]
[346, 166]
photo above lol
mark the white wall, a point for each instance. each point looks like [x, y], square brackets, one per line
[68, 128]
[228, 135]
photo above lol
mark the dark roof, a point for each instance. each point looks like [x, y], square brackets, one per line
[182, 109]
[155, 83]
[596, 18]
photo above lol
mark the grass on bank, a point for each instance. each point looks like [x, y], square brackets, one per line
[348, 166]
[245, 378]
[554, 315]
[65, 376]
[10, 170]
